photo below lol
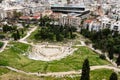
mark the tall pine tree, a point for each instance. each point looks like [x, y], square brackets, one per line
[85, 70]
[113, 76]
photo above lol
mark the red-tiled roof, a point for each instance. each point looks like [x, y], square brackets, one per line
[36, 17]
[88, 21]
[29, 17]
[24, 17]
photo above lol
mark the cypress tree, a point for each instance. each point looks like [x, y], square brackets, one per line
[113, 76]
[18, 35]
[118, 61]
[22, 31]
[85, 70]
[15, 36]
[110, 54]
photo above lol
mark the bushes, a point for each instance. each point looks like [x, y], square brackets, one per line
[1, 44]
[87, 42]
[102, 56]
[2, 36]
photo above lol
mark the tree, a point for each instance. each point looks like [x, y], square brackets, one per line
[14, 36]
[1, 44]
[118, 61]
[27, 26]
[2, 36]
[5, 28]
[18, 34]
[22, 31]
[17, 14]
[85, 70]
[113, 76]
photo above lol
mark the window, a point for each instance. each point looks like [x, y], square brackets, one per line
[108, 25]
[115, 28]
[103, 25]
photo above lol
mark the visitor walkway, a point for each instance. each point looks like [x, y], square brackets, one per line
[23, 40]
[4, 46]
[62, 74]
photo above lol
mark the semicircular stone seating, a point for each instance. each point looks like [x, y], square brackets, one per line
[49, 52]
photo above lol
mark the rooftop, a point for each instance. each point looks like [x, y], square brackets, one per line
[68, 5]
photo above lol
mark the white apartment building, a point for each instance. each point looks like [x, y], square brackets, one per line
[116, 26]
[2, 14]
[92, 25]
[102, 23]
[70, 21]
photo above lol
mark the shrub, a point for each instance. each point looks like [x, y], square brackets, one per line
[3, 63]
[102, 56]
[1, 44]
[87, 42]
[2, 36]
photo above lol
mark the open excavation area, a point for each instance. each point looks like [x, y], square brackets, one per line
[48, 52]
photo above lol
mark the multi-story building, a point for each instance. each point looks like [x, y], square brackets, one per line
[71, 21]
[2, 14]
[80, 9]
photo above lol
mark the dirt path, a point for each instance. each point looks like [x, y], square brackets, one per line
[23, 40]
[61, 74]
[99, 52]
[4, 46]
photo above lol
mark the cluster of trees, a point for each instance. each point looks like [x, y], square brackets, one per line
[25, 25]
[50, 31]
[45, 21]
[55, 33]
[7, 28]
[106, 40]
[86, 71]
[16, 34]
[2, 36]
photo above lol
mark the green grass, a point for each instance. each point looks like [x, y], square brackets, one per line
[14, 57]
[99, 74]
[3, 71]
[10, 75]
[31, 37]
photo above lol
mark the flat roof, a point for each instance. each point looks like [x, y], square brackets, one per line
[68, 5]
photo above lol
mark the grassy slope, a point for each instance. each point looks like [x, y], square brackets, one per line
[31, 37]
[99, 74]
[3, 71]
[14, 58]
